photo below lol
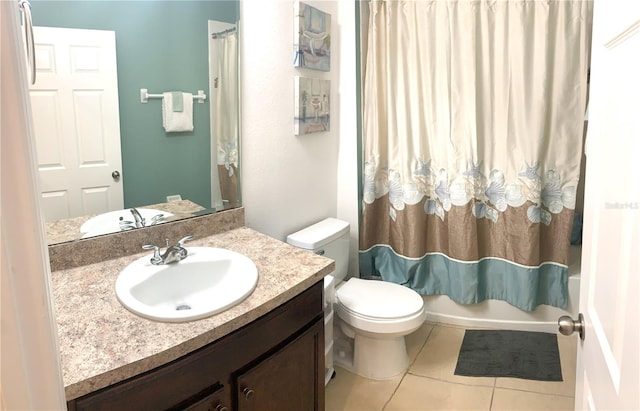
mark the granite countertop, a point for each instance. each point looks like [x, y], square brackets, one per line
[102, 343]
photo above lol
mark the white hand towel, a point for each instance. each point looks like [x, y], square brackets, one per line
[174, 121]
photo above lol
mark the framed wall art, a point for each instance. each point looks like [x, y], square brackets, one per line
[312, 98]
[312, 42]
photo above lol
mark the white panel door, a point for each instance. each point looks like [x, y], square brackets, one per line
[77, 122]
[608, 371]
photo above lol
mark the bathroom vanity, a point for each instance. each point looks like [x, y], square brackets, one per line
[265, 353]
[273, 363]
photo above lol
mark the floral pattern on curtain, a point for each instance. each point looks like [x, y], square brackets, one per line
[472, 139]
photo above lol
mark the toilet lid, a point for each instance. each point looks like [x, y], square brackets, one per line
[379, 299]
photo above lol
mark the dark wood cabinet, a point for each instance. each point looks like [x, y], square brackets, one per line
[283, 381]
[213, 402]
[273, 363]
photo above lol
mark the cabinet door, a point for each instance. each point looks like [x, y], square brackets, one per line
[290, 379]
[212, 402]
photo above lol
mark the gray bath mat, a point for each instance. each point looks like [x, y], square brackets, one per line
[519, 354]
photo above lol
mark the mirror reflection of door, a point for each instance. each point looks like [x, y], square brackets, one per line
[223, 86]
[76, 121]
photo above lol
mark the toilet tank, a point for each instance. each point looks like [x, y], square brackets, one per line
[329, 238]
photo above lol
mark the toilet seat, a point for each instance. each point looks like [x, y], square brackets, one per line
[379, 306]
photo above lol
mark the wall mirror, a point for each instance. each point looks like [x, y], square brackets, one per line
[161, 46]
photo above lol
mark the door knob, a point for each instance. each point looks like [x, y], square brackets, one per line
[115, 175]
[248, 394]
[567, 325]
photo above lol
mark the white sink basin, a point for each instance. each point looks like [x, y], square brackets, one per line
[208, 281]
[110, 222]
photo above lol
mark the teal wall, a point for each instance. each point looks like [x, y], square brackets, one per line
[161, 46]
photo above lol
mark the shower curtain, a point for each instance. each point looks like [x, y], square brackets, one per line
[224, 119]
[472, 139]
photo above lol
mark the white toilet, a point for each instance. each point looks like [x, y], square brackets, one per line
[373, 316]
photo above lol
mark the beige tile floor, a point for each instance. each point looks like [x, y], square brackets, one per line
[430, 384]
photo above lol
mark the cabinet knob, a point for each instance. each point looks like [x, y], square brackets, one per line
[221, 408]
[248, 394]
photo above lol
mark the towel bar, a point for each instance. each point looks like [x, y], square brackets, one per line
[145, 96]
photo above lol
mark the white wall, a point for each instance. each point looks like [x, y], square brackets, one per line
[288, 181]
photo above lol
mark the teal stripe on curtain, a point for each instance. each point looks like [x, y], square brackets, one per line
[471, 282]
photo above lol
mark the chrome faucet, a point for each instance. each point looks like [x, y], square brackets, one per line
[172, 254]
[140, 222]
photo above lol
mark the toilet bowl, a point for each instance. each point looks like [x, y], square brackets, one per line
[373, 317]
[377, 315]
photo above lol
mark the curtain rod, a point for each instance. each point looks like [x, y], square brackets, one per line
[223, 32]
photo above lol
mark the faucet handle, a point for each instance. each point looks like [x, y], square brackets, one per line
[157, 258]
[156, 219]
[127, 225]
[184, 239]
